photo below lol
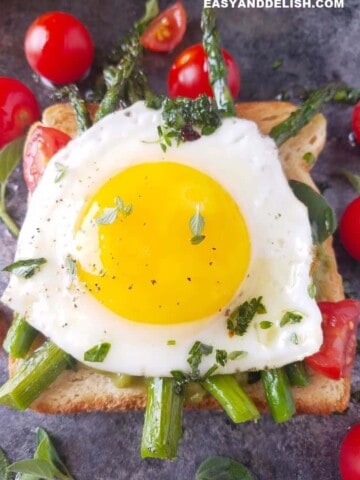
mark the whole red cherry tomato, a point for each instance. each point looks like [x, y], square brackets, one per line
[59, 48]
[41, 145]
[355, 122]
[18, 109]
[350, 228]
[350, 454]
[167, 30]
[188, 75]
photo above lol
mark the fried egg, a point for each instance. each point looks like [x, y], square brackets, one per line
[151, 251]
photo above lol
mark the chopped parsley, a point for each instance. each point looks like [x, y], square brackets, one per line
[184, 119]
[265, 324]
[171, 342]
[221, 357]
[277, 64]
[309, 158]
[240, 319]
[290, 317]
[71, 267]
[294, 338]
[312, 290]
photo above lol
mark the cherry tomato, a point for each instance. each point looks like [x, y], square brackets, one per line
[41, 145]
[355, 121]
[188, 75]
[167, 30]
[350, 228]
[337, 354]
[18, 109]
[350, 454]
[59, 47]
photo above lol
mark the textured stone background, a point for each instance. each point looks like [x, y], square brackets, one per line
[316, 46]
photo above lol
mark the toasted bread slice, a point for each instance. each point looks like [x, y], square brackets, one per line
[87, 390]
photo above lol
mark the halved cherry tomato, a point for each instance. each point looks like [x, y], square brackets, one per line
[355, 121]
[41, 145]
[59, 47]
[18, 109]
[188, 75]
[350, 454]
[336, 356]
[167, 30]
[350, 228]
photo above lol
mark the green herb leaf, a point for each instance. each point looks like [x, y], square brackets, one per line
[222, 468]
[265, 324]
[171, 342]
[277, 64]
[197, 351]
[39, 468]
[322, 217]
[97, 353]
[221, 357]
[309, 158]
[353, 179]
[181, 115]
[4, 464]
[71, 267]
[46, 451]
[60, 171]
[197, 224]
[312, 290]
[10, 156]
[110, 214]
[290, 317]
[236, 354]
[241, 317]
[294, 338]
[25, 268]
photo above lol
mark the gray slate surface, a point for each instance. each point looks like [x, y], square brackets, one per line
[316, 46]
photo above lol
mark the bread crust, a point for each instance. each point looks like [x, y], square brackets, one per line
[87, 390]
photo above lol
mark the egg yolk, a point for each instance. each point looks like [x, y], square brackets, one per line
[155, 267]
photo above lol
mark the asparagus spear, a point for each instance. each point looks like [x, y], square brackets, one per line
[82, 116]
[304, 114]
[217, 68]
[163, 419]
[278, 394]
[34, 376]
[297, 374]
[126, 76]
[19, 337]
[235, 401]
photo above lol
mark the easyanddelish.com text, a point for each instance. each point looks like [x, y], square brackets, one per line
[274, 3]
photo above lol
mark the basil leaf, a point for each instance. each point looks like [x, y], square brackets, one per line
[222, 468]
[353, 179]
[322, 217]
[26, 476]
[39, 468]
[97, 353]
[4, 464]
[10, 156]
[46, 451]
[25, 268]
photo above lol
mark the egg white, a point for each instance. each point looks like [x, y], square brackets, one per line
[246, 164]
